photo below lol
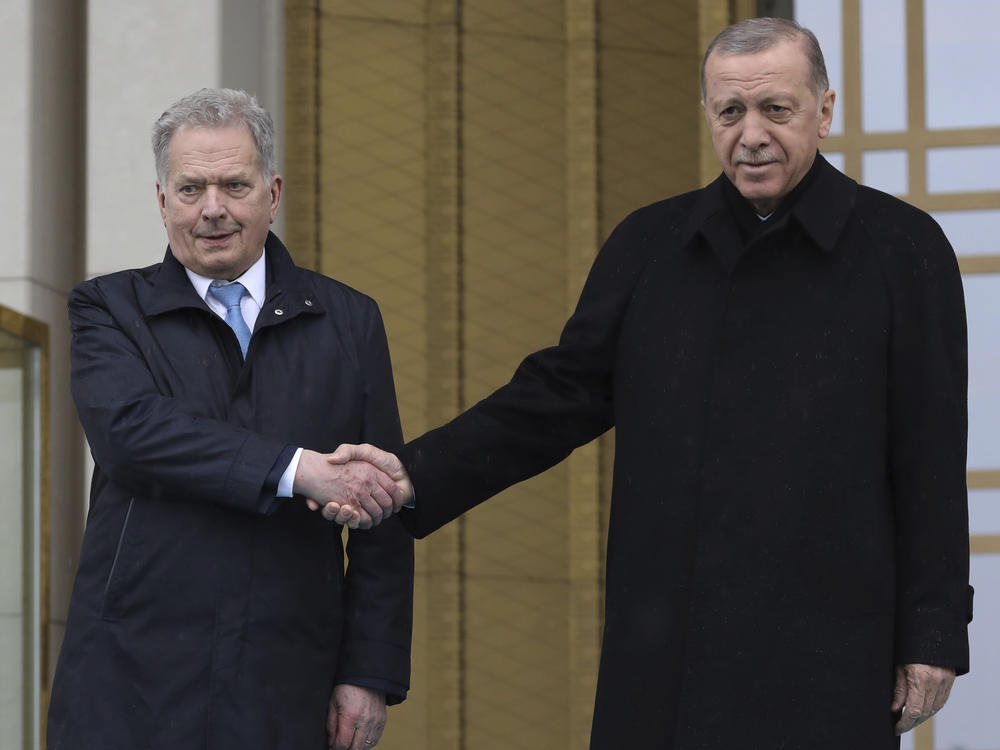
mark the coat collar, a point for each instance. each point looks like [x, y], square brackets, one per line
[821, 210]
[289, 293]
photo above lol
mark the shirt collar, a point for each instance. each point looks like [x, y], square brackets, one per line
[254, 279]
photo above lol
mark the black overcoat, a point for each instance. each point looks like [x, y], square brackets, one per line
[788, 516]
[201, 616]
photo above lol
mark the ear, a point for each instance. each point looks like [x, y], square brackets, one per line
[161, 201]
[826, 112]
[276, 185]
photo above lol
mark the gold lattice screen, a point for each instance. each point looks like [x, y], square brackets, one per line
[460, 162]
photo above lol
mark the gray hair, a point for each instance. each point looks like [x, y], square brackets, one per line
[758, 34]
[216, 108]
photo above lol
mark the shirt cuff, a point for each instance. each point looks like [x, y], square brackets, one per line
[287, 459]
[287, 480]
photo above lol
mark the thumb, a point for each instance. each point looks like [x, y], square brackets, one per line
[346, 452]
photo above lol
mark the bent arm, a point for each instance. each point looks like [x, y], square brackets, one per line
[142, 437]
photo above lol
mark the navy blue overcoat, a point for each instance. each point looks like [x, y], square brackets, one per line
[205, 614]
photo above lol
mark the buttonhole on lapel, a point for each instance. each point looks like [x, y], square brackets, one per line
[279, 311]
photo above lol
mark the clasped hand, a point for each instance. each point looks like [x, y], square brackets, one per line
[357, 485]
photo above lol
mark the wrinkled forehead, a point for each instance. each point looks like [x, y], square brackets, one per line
[225, 147]
[782, 67]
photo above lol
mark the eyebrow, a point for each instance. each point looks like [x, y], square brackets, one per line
[187, 179]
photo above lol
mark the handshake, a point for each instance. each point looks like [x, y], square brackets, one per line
[357, 485]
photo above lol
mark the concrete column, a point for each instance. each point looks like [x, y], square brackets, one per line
[141, 57]
[41, 43]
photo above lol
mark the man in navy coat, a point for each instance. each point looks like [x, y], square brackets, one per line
[783, 356]
[212, 608]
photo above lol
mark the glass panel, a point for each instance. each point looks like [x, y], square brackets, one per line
[982, 297]
[968, 721]
[984, 511]
[886, 170]
[883, 66]
[963, 169]
[12, 583]
[836, 159]
[960, 44]
[20, 535]
[971, 232]
[823, 18]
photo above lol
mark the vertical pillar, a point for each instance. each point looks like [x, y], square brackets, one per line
[583, 527]
[443, 566]
[41, 52]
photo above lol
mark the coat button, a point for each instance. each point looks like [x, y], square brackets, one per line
[279, 311]
[309, 303]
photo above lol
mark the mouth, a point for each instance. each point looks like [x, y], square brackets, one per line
[216, 238]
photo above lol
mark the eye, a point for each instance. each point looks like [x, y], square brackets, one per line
[189, 189]
[730, 113]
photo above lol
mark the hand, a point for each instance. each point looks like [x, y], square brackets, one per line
[385, 462]
[352, 492]
[921, 691]
[356, 718]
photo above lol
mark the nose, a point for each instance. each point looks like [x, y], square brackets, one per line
[755, 134]
[213, 206]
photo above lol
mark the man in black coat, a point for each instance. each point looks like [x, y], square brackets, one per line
[783, 355]
[211, 608]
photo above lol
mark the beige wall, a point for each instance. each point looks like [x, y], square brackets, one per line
[77, 205]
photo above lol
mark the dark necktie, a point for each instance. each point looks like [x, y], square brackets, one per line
[230, 296]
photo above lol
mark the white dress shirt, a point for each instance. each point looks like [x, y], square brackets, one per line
[254, 279]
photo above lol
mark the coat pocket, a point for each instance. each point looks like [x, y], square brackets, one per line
[118, 563]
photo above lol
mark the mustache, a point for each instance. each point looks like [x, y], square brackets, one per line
[754, 157]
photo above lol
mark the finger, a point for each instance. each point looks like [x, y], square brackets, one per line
[344, 738]
[345, 515]
[362, 741]
[916, 711]
[312, 504]
[371, 506]
[943, 693]
[385, 502]
[899, 692]
[347, 452]
[331, 511]
[399, 492]
[368, 733]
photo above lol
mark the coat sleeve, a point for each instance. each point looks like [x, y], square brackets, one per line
[928, 421]
[558, 399]
[153, 444]
[379, 581]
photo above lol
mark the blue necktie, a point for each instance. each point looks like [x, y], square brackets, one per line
[230, 296]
